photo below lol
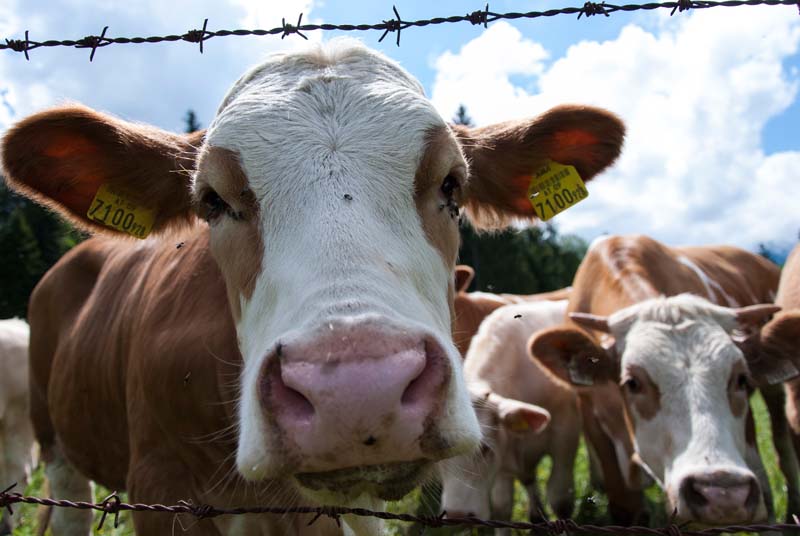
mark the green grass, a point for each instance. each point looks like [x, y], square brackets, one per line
[590, 506]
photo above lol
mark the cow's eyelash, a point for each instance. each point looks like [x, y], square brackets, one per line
[213, 206]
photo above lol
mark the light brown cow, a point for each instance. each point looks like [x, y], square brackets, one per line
[653, 372]
[514, 398]
[471, 308]
[296, 345]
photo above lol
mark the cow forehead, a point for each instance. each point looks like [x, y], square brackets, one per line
[694, 350]
[341, 111]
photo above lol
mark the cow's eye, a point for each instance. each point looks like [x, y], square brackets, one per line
[742, 382]
[632, 385]
[449, 186]
[212, 205]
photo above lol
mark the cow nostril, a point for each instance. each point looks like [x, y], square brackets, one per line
[285, 399]
[751, 504]
[371, 440]
[428, 381]
[692, 493]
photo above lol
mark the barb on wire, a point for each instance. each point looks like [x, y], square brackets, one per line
[682, 5]
[393, 25]
[93, 41]
[197, 36]
[593, 8]
[289, 29]
[113, 505]
[18, 45]
[480, 17]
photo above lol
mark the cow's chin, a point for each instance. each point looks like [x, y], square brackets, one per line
[390, 482]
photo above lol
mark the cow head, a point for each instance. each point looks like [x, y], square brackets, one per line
[467, 480]
[685, 383]
[331, 190]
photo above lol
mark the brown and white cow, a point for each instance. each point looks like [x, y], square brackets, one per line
[514, 398]
[471, 308]
[300, 335]
[664, 365]
[780, 338]
[17, 453]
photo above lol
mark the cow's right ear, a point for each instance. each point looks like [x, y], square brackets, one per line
[773, 353]
[464, 276]
[61, 158]
[572, 356]
[504, 157]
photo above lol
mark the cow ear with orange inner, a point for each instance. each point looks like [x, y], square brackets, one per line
[504, 157]
[573, 357]
[66, 157]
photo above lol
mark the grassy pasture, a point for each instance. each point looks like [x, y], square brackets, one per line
[590, 506]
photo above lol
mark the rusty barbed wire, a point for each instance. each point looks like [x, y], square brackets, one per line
[394, 24]
[113, 505]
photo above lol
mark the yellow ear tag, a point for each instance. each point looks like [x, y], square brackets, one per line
[520, 425]
[111, 208]
[554, 188]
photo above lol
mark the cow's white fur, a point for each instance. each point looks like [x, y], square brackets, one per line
[713, 289]
[684, 345]
[17, 453]
[309, 128]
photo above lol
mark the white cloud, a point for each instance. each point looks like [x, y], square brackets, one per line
[153, 83]
[696, 93]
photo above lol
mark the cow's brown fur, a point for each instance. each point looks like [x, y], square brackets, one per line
[90, 310]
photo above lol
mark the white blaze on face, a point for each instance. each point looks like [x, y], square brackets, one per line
[685, 384]
[334, 187]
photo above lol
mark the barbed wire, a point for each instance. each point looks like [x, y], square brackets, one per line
[113, 505]
[394, 25]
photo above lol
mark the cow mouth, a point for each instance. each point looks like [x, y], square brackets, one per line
[388, 481]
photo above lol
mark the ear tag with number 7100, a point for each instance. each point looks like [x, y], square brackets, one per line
[554, 188]
[113, 209]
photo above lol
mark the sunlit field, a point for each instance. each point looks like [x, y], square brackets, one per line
[590, 506]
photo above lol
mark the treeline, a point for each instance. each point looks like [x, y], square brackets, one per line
[32, 239]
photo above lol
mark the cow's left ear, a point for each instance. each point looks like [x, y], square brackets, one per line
[503, 157]
[573, 356]
[773, 352]
[518, 416]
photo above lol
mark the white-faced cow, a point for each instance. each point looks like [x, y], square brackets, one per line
[16, 434]
[672, 363]
[290, 318]
[514, 399]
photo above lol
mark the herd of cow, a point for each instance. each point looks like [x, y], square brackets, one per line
[292, 332]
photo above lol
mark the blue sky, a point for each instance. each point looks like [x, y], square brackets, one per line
[710, 98]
